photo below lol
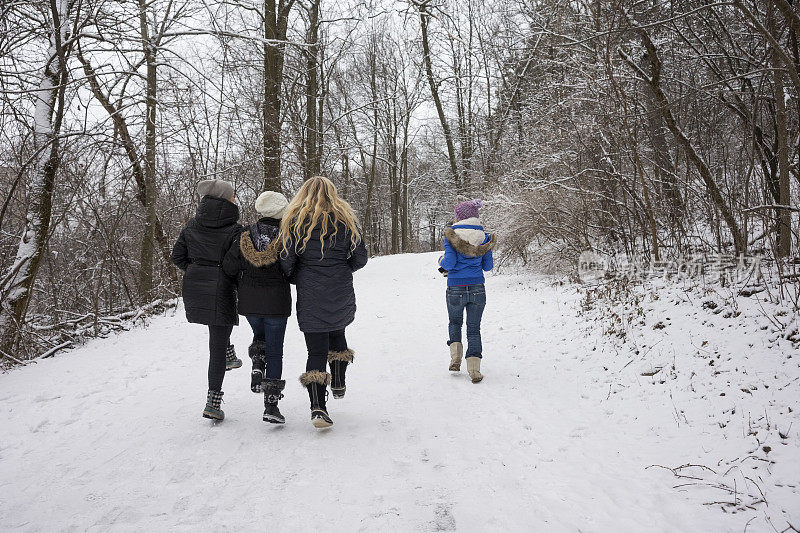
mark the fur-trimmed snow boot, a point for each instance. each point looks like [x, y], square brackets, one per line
[256, 351]
[273, 389]
[339, 362]
[456, 352]
[212, 409]
[231, 361]
[316, 383]
[474, 369]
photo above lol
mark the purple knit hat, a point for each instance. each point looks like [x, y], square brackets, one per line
[469, 209]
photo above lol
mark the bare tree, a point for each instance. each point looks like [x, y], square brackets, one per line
[653, 78]
[48, 115]
[424, 20]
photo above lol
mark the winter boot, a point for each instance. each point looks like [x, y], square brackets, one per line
[339, 362]
[474, 369]
[456, 352]
[272, 393]
[256, 353]
[316, 382]
[212, 409]
[231, 361]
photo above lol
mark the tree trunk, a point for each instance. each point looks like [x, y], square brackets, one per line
[150, 193]
[373, 83]
[344, 158]
[312, 159]
[17, 284]
[394, 185]
[275, 22]
[790, 15]
[664, 169]
[405, 229]
[784, 240]
[448, 135]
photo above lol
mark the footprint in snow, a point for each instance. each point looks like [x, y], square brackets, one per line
[43, 398]
[443, 518]
[41, 425]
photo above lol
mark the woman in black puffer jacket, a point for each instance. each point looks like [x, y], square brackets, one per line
[209, 295]
[264, 298]
[322, 248]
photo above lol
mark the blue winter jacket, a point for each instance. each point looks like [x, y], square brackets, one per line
[467, 253]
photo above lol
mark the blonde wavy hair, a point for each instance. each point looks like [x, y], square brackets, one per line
[317, 202]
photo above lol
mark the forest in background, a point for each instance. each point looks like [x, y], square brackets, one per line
[652, 129]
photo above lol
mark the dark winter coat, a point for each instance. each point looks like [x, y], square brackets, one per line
[326, 300]
[467, 253]
[253, 260]
[209, 295]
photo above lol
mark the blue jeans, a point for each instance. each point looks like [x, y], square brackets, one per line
[271, 331]
[473, 299]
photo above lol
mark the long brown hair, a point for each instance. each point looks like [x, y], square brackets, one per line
[317, 202]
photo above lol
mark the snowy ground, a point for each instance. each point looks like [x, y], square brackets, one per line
[560, 435]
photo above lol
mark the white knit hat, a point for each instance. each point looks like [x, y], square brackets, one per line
[271, 204]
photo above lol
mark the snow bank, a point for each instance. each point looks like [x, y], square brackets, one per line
[726, 369]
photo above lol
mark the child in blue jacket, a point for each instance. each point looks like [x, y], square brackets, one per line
[467, 255]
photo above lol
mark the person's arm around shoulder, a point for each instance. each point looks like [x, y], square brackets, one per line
[487, 261]
[230, 242]
[450, 258]
[180, 254]
[231, 263]
[358, 257]
[288, 260]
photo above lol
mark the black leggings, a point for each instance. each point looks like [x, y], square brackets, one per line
[219, 337]
[319, 344]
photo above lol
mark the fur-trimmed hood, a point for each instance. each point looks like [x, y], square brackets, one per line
[470, 241]
[253, 256]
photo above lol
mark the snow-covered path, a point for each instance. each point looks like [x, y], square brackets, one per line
[109, 436]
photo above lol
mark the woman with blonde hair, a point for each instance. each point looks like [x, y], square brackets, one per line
[322, 247]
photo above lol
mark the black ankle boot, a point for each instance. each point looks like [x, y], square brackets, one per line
[316, 383]
[231, 361]
[213, 410]
[338, 362]
[256, 351]
[272, 394]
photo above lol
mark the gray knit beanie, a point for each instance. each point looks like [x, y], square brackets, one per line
[217, 188]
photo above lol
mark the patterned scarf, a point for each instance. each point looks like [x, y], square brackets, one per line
[262, 234]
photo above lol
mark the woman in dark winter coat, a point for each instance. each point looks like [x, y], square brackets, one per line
[467, 254]
[322, 248]
[209, 295]
[264, 298]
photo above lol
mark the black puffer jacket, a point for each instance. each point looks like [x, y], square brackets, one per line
[326, 300]
[209, 295]
[253, 260]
